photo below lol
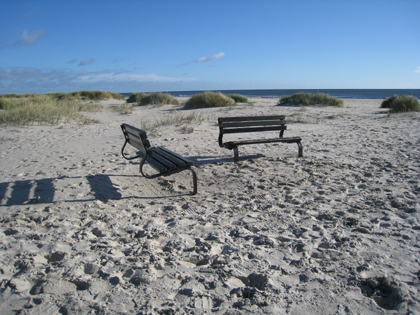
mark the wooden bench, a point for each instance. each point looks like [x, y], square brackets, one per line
[228, 125]
[165, 162]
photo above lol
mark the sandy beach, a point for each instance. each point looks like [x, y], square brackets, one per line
[334, 232]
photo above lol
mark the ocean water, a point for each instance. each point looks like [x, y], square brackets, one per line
[341, 93]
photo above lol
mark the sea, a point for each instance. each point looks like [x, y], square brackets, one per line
[340, 93]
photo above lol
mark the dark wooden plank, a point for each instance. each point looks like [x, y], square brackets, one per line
[169, 157]
[251, 118]
[254, 129]
[259, 141]
[185, 160]
[156, 165]
[136, 137]
[137, 145]
[168, 164]
[132, 129]
[253, 123]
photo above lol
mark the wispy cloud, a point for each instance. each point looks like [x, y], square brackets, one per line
[86, 62]
[214, 57]
[418, 70]
[29, 38]
[23, 80]
[208, 58]
[123, 77]
[72, 61]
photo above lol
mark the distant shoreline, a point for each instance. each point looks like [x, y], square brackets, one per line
[277, 93]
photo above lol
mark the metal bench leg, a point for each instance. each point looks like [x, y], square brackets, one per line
[300, 149]
[194, 181]
[236, 154]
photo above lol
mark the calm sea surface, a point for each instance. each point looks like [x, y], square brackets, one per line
[341, 93]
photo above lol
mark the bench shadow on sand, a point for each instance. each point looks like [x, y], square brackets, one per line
[103, 187]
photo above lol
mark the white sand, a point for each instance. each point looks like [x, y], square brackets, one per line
[334, 232]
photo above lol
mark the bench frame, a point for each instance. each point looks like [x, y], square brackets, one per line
[162, 160]
[231, 125]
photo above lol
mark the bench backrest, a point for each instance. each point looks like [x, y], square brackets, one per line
[251, 124]
[136, 137]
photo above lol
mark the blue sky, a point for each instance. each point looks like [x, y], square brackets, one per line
[127, 45]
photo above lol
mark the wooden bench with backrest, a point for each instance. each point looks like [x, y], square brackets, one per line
[233, 125]
[164, 161]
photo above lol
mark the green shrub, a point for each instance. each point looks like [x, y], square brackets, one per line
[401, 103]
[43, 109]
[12, 95]
[157, 98]
[306, 99]
[123, 108]
[208, 99]
[5, 103]
[238, 98]
[97, 95]
[60, 96]
[136, 97]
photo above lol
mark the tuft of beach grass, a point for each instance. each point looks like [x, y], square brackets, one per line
[238, 98]
[401, 103]
[44, 109]
[307, 99]
[154, 98]
[208, 99]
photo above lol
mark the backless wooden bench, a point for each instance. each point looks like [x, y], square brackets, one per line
[164, 161]
[232, 125]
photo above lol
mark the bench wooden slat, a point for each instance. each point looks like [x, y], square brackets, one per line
[158, 153]
[253, 123]
[254, 129]
[250, 118]
[156, 165]
[259, 141]
[173, 154]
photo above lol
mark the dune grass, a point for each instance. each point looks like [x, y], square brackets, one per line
[401, 103]
[238, 98]
[307, 99]
[208, 99]
[181, 119]
[87, 95]
[154, 98]
[136, 97]
[43, 109]
[157, 98]
[123, 108]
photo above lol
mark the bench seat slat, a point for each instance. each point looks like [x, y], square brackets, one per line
[253, 123]
[250, 118]
[153, 163]
[258, 141]
[158, 153]
[254, 129]
[173, 154]
[156, 165]
[166, 163]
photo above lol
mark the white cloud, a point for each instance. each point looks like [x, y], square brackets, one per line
[86, 62]
[206, 58]
[25, 80]
[122, 77]
[29, 38]
[418, 70]
[214, 57]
